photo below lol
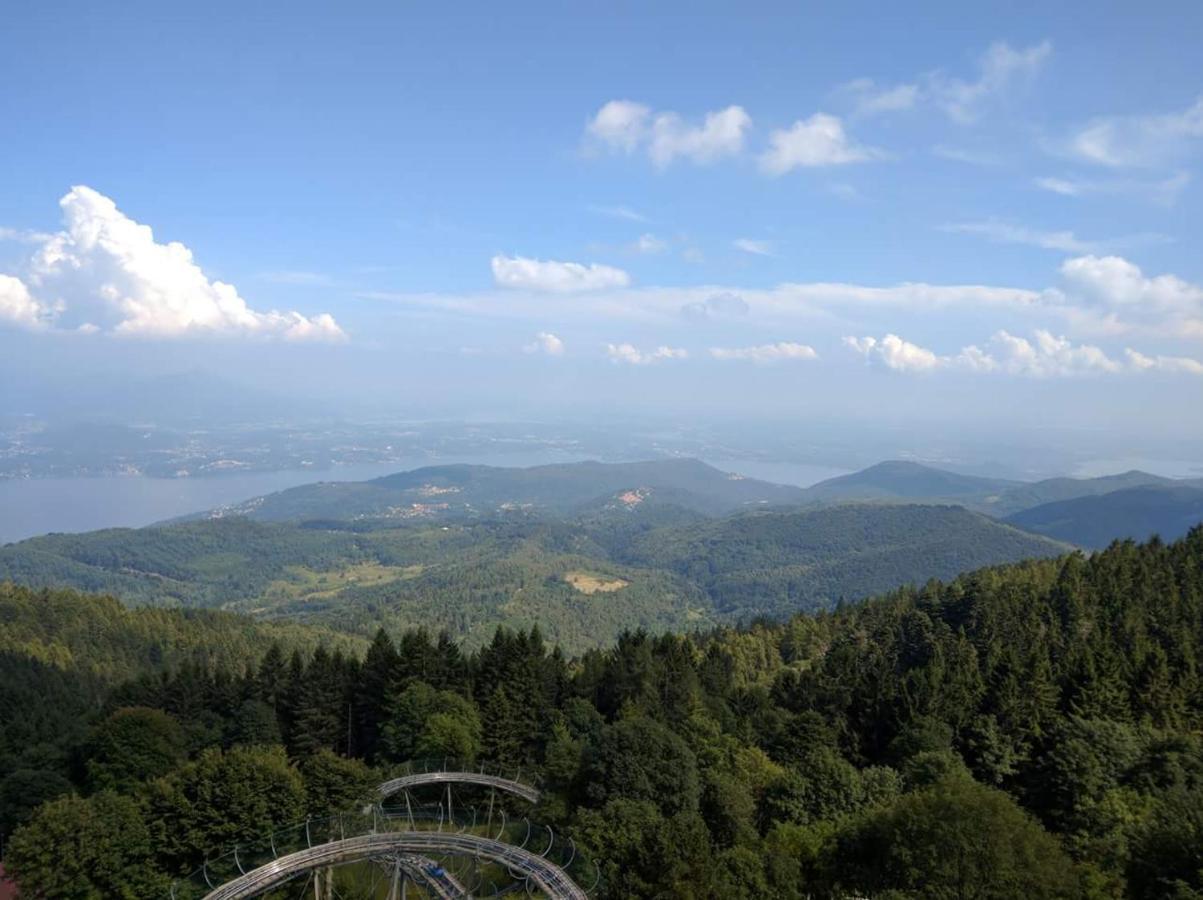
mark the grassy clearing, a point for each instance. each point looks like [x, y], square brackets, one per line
[303, 583]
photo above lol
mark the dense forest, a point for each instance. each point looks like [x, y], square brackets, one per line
[1027, 730]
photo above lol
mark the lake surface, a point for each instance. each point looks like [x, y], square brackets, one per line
[36, 506]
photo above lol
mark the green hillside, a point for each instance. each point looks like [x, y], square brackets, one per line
[781, 563]
[670, 568]
[1137, 513]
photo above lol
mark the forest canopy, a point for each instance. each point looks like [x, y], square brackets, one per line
[1025, 730]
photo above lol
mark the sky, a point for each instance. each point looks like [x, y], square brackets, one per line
[945, 215]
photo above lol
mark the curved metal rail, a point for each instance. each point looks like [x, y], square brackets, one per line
[416, 779]
[550, 878]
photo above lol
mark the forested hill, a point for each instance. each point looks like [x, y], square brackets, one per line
[778, 563]
[458, 491]
[1031, 730]
[62, 652]
[902, 480]
[99, 636]
[1095, 521]
[582, 581]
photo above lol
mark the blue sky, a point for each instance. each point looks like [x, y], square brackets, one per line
[946, 211]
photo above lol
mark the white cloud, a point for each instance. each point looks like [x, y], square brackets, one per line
[649, 244]
[1144, 140]
[756, 248]
[23, 236]
[1004, 233]
[106, 265]
[1161, 191]
[1115, 293]
[1174, 364]
[1044, 356]
[620, 125]
[1048, 355]
[766, 353]
[619, 212]
[1083, 301]
[870, 98]
[809, 143]
[999, 68]
[626, 127]
[17, 306]
[1063, 241]
[720, 135]
[895, 353]
[545, 342]
[631, 355]
[724, 303]
[558, 277]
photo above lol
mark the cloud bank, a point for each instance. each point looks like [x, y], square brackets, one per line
[1045, 356]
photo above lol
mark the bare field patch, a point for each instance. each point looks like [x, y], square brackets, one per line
[588, 583]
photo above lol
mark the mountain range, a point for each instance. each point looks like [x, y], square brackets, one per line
[588, 550]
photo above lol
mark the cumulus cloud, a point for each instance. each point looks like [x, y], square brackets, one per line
[1111, 294]
[105, 265]
[1044, 356]
[814, 142]
[629, 354]
[720, 135]
[624, 126]
[17, 306]
[999, 68]
[557, 277]
[754, 247]
[547, 343]
[894, 353]
[766, 353]
[1143, 140]
[620, 125]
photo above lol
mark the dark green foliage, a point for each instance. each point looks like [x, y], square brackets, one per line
[953, 840]
[423, 723]
[219, 800]
[1029, 730]
[131, 745]
[640, 759]
[23, 791]
[334, 782]
[81, 849]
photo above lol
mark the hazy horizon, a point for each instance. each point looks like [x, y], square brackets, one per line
[978, 231]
